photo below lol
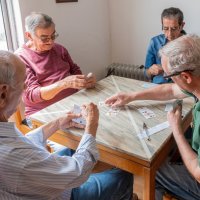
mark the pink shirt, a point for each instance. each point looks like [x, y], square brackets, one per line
[43, 69]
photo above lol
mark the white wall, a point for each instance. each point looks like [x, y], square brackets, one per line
[99, 32]
[134, 22]
[83, 29]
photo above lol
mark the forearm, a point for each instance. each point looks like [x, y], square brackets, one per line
[161, 93]
[50, 128]
[72, 81]
[50, 91]
[189, 157]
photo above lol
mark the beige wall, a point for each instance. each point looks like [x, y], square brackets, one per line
[83, 29]
[134, 22]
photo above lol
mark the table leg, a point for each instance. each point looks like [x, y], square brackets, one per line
[149, 184]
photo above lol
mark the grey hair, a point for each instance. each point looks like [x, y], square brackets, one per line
[8, 61]
[183, 53]
[174, 13]
[37, 20]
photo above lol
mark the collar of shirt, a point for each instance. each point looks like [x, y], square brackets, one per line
[8, 129]
[163, 40]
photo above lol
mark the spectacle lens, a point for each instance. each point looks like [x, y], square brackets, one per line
[47, 39]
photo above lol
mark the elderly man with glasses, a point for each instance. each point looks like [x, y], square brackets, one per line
[51, 73]
[181, 61]
[29, 172]
[172, 26]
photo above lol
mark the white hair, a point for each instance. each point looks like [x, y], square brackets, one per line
[37, 20]
[8, 64]
[183, 53]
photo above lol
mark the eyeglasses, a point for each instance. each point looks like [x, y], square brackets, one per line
[172, 29]
[176, 73]
[45, 39]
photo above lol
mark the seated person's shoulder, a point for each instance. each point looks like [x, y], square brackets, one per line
[158, 41]
[158, 38]
[58, 46]
[60, 49]
[19, 51]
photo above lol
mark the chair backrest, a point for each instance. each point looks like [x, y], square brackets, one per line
[18, 116]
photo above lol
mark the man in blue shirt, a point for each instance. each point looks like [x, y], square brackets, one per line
[172, 26]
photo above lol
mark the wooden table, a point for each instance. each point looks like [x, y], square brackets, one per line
[117, 138]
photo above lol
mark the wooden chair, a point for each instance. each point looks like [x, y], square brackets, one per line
[18, 117]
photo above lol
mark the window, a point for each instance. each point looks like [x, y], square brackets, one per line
[3, 41]
[10, 37]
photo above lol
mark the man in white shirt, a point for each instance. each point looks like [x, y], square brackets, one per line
[29, 172]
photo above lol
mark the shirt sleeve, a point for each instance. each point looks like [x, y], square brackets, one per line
[32, 91]
[74, 68]
[63, 172]
[36, 137]
[150, 57]
[33, 87]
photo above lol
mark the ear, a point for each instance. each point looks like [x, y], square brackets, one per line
[187, 77]
[3, 95]
[28, 35]
[182, 25]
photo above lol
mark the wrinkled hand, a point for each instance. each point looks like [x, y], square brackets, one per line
[79, 81]
[119, 99]
[91, 114]
[66, 121]
[91, 80]
[155, 70]
[75, 82]
[174, 118]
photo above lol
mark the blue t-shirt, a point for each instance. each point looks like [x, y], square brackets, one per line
[153, 57]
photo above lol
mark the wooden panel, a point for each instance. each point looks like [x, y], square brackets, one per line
[117, 132]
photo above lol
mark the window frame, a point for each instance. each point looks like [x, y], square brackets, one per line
[9, 24]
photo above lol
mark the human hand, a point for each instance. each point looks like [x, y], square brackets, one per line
[175, 119]
[119, 99]
[79, 81]
[91, 114]
[91, 80]
[66, 121]
[74, 81]
[155, 69]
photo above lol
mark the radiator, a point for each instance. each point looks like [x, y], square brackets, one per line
[127, 70]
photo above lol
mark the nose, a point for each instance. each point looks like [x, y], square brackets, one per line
[170, 31]
[170, 34]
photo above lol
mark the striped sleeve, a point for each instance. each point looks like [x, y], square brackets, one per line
[62, 172]
[36, 137]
